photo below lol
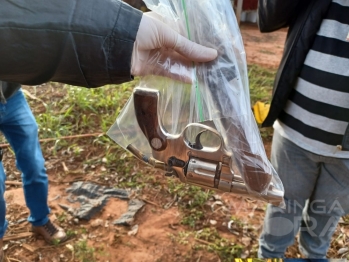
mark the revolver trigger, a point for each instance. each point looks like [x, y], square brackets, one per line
[197, 144]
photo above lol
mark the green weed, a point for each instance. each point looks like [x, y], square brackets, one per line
[261, 83]
[224, 248]
[191, 201]
[83, 252]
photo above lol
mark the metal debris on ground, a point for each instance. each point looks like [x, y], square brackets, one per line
[127, 218]
[133, 231]
[91, 197]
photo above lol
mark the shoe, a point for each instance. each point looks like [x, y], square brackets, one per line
[52, 233]
[1, 251]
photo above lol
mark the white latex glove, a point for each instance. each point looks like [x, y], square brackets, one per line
[159, 50]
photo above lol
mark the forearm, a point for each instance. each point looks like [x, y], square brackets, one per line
[81, 42]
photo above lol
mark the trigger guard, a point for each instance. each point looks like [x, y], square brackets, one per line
[197, 145]
[206, 127]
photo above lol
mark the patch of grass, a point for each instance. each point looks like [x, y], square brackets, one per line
[71, 233]
[183, 237]
[55, 242]
[191, 196]
[83, 252]
[226, 249]
[237, 221]
[81, 109]
[210, 240]
[62, 217]
[261, 83]
[192, 217]
[191, 201]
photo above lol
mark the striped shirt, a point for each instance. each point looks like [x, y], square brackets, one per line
[317, 112]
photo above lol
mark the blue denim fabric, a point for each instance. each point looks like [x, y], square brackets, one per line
[316, 196]
[18, 125]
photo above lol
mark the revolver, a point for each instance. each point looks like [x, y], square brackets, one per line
[194, 163]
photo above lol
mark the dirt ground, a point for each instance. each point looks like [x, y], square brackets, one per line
[160, 235]
[262, 49]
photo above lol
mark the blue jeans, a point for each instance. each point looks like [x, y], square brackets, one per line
[19, 127]
[316, 196]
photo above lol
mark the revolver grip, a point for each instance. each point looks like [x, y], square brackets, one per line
[146, 109]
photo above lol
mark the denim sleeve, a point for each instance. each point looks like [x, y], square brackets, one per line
[80, 42]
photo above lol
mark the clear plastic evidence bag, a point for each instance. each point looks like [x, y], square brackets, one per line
[204, 133]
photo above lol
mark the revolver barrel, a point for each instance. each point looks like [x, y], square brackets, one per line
[220, 177]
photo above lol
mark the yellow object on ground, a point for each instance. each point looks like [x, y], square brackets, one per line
[260, 111]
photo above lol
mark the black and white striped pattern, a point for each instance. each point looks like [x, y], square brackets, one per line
[317, 112]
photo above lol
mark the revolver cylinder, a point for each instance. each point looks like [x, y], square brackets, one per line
[213, 175]
[201, 173]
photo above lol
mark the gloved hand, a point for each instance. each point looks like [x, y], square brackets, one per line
[159, 50]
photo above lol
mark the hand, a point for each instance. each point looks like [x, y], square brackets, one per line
[159, 50]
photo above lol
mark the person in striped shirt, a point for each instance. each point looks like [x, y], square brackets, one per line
[310, 115]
